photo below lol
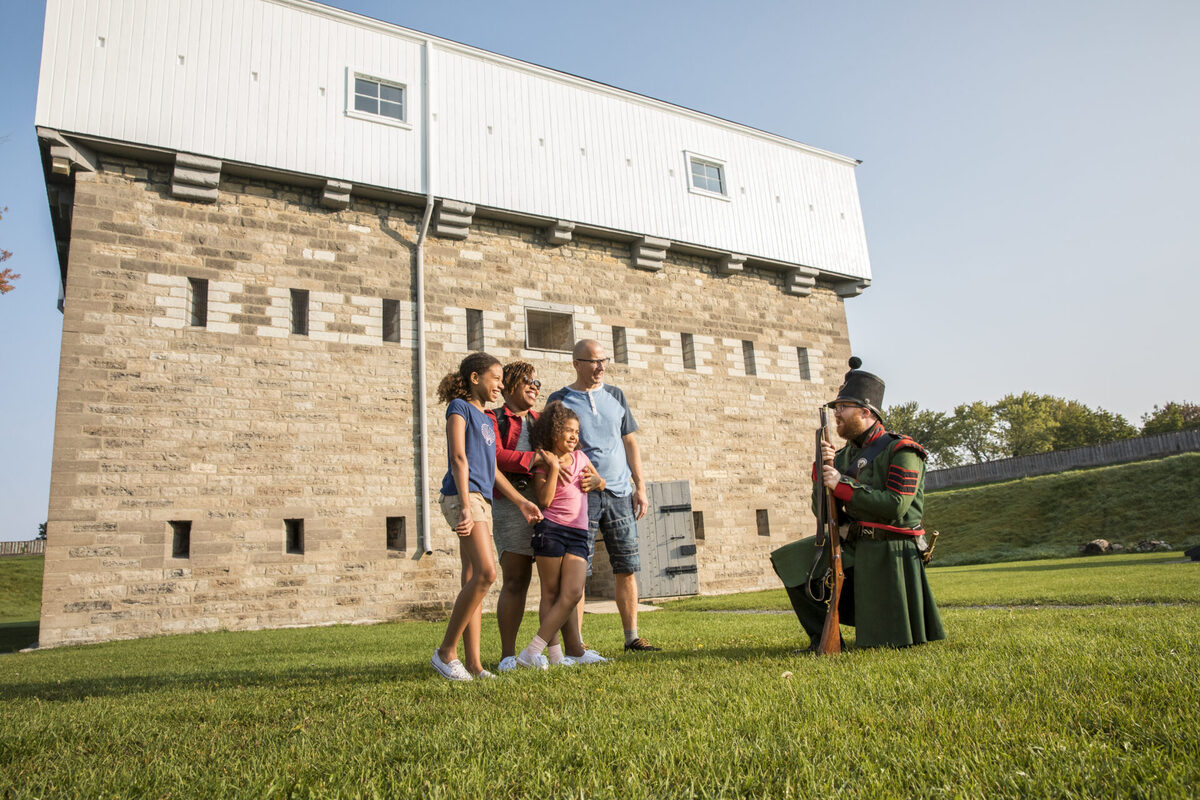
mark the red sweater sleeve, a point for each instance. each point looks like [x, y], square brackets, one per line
[507, 459]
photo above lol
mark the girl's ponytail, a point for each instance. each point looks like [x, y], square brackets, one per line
[458, 384]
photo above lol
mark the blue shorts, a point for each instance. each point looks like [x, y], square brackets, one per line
[612, 516]
[552, 540]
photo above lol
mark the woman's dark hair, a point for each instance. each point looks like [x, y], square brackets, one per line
[550, 425]
[458, 384]
[515, 375]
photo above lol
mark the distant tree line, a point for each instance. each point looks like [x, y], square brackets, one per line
[1025, 424]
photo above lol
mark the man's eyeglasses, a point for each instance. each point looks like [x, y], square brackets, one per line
[534, 383]
[595, 362]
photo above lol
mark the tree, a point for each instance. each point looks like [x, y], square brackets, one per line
[1028, 422]
[42, 530]
[7, 276]
[1080, 426]
[1171, 417]
[934, 430]
[977, 432]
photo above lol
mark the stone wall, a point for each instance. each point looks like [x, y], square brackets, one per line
[242, 424]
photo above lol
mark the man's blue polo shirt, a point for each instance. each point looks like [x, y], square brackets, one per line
[604, 417]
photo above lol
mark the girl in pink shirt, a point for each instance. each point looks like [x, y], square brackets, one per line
[560, 540]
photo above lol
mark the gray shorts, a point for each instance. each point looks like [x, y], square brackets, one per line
[510, 531]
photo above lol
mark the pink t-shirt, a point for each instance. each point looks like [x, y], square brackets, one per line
[570, 506]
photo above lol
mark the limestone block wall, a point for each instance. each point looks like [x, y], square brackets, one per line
[241, 424]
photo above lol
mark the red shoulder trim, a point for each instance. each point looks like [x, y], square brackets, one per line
[910, 443]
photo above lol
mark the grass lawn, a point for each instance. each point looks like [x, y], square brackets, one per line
[20, 601]
[1051, 516]
[1062, 700]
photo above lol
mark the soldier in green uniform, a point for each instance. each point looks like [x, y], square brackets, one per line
[878, 482]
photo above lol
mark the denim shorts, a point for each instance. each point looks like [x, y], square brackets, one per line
[612, 517]
[552, 540]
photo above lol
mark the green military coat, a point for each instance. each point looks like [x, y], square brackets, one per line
[886, 595]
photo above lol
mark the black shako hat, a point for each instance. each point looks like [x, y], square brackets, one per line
[861, 388]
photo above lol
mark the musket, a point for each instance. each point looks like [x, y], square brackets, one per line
[829, 537]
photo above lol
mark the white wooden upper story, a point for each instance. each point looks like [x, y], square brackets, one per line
[272, 83]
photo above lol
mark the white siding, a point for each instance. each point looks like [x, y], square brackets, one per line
[558, 146]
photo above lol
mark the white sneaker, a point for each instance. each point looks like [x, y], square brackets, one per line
[591, 657]
[539, 663]
[454, 671]
[566, 661]
[483, 673]
[507, 664]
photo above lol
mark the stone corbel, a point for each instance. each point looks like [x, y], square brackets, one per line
[649, 252]
[731, 264]
[851, 288]
[66, 155]
[800, 282]
[560, 232]
[452, 219]
[196, 178]
[336, 194]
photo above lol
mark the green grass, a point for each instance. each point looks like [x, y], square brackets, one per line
[1050, 516]
[20, 601]
[1083, 701]
[1127, 578]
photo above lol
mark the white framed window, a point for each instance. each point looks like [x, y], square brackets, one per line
[376, 99]
[707, 176]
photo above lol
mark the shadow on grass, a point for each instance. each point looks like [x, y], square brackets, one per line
[1100, 562]
[290, 679]
[15, 636]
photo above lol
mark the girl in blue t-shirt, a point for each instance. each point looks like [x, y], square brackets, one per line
[466, 502]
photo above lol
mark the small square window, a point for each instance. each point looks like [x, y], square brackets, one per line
[300, 311]
[379, 98]
[764, 523]
[475, 330]
[698, 525]
[198, 302]
[707, 176]
[294, 536]
[397, 535]
[688, 343]
[181, 538]
[393, 325]
[620, 347]
[549, 330]
[748, 357]
[805, 366]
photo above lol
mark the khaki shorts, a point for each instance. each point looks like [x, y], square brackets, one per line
[481, 510]
[510, 531]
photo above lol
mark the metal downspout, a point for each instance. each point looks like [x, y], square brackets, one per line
[422, 394]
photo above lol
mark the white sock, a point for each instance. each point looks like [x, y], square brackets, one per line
[554, 653]
[630, 635]
[534, 649]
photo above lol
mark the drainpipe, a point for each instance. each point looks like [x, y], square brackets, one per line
[422, 394]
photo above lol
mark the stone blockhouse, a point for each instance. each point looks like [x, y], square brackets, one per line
[238, 441]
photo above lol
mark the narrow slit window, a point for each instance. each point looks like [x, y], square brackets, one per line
[620, 347]
[474, 330]
[300, 312]
[181, 538]
[549, 330]
[294, 536]
[392, 324]
[198, 302]
[698, 525]
[688, 343]
[764, 523]
[805, 366]
[748, 357]
[397, 535]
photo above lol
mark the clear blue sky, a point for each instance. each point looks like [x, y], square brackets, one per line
[1031, 180]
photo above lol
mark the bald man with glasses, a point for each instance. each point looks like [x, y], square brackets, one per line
[606, 433]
